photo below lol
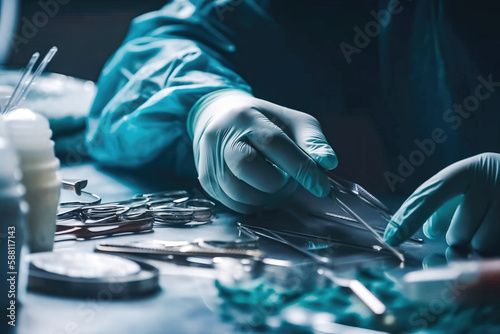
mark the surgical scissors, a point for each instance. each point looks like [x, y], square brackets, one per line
[173, 208]
[68, 232]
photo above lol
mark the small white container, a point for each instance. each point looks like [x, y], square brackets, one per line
[13, 209]
[30, 136]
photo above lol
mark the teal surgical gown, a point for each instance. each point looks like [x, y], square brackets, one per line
[373, 108]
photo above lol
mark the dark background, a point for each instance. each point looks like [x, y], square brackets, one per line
[365, 136]
[86, 32]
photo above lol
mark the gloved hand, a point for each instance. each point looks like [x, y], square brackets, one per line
[249, 152]
[461, 201]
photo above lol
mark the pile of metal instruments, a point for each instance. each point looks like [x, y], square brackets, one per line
[88, 218]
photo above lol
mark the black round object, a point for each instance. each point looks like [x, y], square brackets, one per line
[48, 275]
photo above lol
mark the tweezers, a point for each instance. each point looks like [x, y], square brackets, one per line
[351, 213]
[354, 223]
[348, 187]
[325, 269]
[310, 236]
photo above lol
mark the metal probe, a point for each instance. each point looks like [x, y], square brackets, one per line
[350, 212]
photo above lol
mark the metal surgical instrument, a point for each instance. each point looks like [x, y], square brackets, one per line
[176, 210]
[310, 236]
[195, 248]
[354, 223]
[365, 295]
[20, 84]
[23, 88]
[350, 212]
[100, 230]
[346, 186]
[75, 186]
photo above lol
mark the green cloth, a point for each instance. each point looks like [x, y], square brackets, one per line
[253, 302]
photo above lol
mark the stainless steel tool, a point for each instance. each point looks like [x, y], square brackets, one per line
[195, 248]
[346, 186]
[354, 223]
[325, 269]
[75, 186]
[316, 237]
[350, 212]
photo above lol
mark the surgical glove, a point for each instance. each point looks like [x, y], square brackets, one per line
[249, 152]
[461, 201]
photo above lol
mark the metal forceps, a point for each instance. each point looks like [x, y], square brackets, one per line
[181, 211]
[325, 269]
[348, 187]
[333, 196]
[100, 213]
[176, 208]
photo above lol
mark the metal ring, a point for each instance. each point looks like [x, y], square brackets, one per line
[95, 200]
[131, 203]
[200, 203]
[162, 194]
[137, 212]
[173, 216]
[69, 213]
[201, 214]
[104, 210]
[161, 204]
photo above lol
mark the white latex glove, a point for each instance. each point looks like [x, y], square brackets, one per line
[461, 201]
[248, 151]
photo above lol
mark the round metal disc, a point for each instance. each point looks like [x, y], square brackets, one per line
[84, 265]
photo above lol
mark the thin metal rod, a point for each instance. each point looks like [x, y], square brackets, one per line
[361, 291]
[380, 239]
[365, 295]
[351, 222]
[315, 257]
[46, 60]
[20, 84]
[313, 236]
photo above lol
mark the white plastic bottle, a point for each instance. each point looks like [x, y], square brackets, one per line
[30, 134]
[13, 209]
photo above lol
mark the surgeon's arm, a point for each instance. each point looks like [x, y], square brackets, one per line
[170, 59]
[172, 77]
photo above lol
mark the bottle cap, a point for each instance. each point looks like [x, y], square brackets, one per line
[28, 130]
[23, 118]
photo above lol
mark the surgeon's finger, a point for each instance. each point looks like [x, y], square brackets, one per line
[242, 192]
[308, 135]
[429, 197]
[437, 225]
[210, 183]
[276, 146]
[250, 166]
[488, 234]
[305, 131]
[454, 254]
[468, 217]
